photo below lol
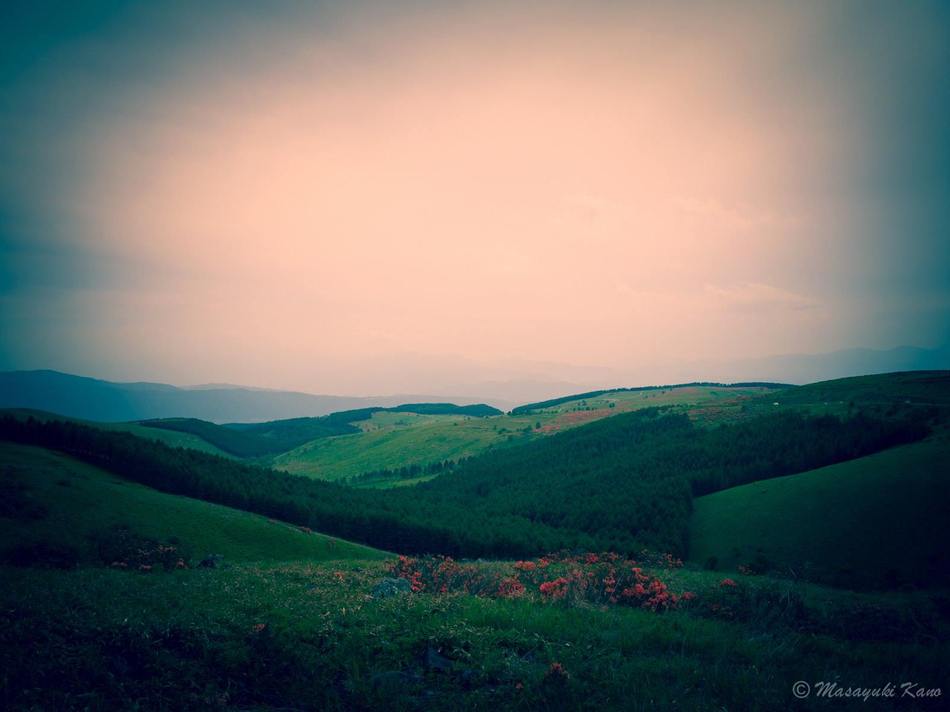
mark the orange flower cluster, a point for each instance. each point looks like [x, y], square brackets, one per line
[511, 587]
[442, 574]
[555, 590]
[605, 578]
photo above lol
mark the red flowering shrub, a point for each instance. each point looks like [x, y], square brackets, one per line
[555, 590]
[605, 578]
[727, 583]
[511, 587]
[442, 574]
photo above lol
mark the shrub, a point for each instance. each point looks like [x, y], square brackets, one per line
[121, 548]
[605, 578]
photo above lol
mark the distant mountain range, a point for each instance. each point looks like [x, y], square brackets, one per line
[94, 399]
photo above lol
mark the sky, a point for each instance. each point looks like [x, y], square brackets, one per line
[406, 196]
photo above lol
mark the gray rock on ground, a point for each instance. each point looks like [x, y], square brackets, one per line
[391, 587]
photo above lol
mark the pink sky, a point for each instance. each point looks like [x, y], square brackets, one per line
[611, 190]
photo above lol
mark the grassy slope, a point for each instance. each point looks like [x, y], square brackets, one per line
[171, 438]
[82, 499]
[886, 393]
[912, 386]
[307, 637]
[392, 440]
[864, 521]
[239, 444]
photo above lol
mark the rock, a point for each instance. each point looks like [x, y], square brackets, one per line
[211, 561]
[434, 660]
[391, 587]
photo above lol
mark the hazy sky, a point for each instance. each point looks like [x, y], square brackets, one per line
[369, 197]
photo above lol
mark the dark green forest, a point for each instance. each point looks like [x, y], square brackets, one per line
[622, 483]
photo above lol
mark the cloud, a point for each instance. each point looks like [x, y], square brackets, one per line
[757, 297]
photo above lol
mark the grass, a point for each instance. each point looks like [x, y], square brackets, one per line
[679, 396]
[394, 440]
[81, 502]
[866, 522]
[309, 636]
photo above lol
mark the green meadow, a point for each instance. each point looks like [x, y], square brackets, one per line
[394, 440]
[873, 521]
[80, 504]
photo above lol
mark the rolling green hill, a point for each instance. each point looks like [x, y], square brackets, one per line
[52, 498]
[391, 438]
[907, 387]
[889, 394]
[608, 395]
[245, 443]
[252, 440]
[172, 438]
[878, 520]
[620, 482]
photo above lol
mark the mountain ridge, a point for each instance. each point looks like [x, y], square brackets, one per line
[108, 401]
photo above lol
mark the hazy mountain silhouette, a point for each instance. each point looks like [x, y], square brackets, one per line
[94, 399]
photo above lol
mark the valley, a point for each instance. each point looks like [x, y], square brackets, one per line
[672, 543]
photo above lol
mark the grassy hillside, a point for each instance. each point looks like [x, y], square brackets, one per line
[877, 520]
[51, 498]
[250, 442]
[889, 394]
[391, 440]
[172, 438]
[603, 397]
[915, 387]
